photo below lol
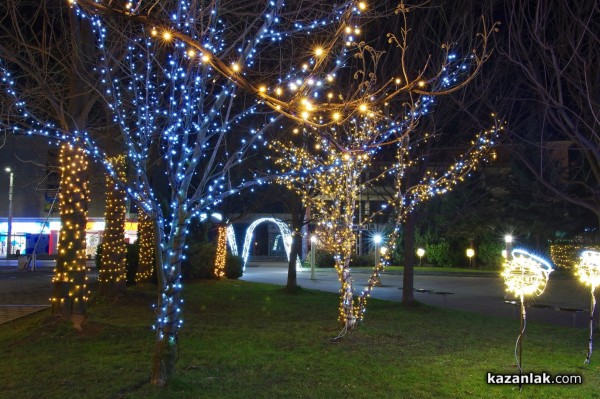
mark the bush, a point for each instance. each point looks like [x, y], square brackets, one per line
[234, 267]
[132, 259]
[490, 254]
[439, 254]
[98, 258]
[324, 259]
[362, 260]
[200, 262]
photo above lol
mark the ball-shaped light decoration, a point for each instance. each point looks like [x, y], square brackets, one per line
[588, 268]
[526, 274]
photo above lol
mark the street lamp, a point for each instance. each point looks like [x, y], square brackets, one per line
[377, 240]
[508, 239]
[420, 254]
[470, 254]
[10, 214]
[313, 248]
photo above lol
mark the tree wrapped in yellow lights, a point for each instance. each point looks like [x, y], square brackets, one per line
[70, 290]
[221, 256]
[112, 274]
[371, 143]
[146, 248]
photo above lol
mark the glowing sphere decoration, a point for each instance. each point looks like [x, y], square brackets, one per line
[588, 269]
[526, 274]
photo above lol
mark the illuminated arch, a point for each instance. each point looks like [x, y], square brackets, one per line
[286, 235]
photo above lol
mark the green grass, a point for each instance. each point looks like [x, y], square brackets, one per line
[244, 340]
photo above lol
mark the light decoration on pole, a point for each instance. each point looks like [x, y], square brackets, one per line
[9, 247]
[470, 253]
[70, 290]
[112, 274]
[221, 257]
[420, 254]
[588, 271]
[525, 275]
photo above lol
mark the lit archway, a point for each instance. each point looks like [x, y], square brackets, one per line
[286, 235]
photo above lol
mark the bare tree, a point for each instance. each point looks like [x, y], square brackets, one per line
[555, 48]
[48, 48]
[329, 167]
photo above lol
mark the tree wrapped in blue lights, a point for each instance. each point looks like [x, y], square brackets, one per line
[191, 98]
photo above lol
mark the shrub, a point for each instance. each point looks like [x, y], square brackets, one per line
[439, 254]
[490, 254]
[324, 259]
[200, 262]
[362, 260]
[132, 259]
[98, 258]
[234, 267]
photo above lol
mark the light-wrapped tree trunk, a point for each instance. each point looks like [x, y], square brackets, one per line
[70, 291]
[112, 274]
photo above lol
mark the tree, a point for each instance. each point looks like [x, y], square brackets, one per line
[191, 89]
[112, 275]
[49, 46]
[329, 167]
[555, 47]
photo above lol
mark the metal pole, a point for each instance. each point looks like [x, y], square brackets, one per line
[313, 243]
[10, 215]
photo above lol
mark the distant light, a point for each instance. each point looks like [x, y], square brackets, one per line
[313, 239]
[508, 238]
[420, 252]
[377, 239]
[470, 252]
[7, 169]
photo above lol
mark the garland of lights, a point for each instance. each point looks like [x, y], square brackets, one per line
[70, 292]
[112, 274]
[286, 233]
[146, 247]
[221, 257]
[588, 271]
[179, 92]
[231, 240]
[525, 275]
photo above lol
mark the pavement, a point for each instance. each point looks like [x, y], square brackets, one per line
[564, 302]
[23, 292]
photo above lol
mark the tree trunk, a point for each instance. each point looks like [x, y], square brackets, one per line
[69, 295]
[166, 349]
[292, 281]
[112, 274]
[409, 259]
[146, 244]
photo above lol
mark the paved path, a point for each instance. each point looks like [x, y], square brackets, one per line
[23, 293]
[484, 295]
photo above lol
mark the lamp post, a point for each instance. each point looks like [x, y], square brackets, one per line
[10, 214]
[420, 253]
[508, 239]
[470, 254]
[313, 245]
[377, 241]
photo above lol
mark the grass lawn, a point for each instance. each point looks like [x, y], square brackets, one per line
[245, 340]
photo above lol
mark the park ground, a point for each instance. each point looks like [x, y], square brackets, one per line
[252, 340]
